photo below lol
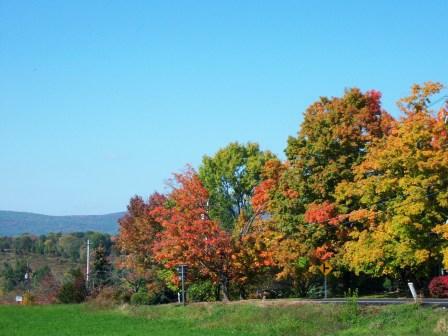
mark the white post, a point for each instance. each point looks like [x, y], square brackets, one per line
[88, 263]
[413, 291]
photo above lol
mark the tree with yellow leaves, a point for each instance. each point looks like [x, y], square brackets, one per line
[398, 201]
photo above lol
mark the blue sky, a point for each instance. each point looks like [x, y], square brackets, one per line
[101, 100]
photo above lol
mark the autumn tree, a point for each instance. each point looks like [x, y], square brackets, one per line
[398, 201]
[230, 177]
[137, 233]
[189, 235]
[298, 195]
[138, 228]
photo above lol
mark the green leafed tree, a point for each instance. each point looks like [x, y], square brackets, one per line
[102, 268]
[230, 177]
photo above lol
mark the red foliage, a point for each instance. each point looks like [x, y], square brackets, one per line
[321, 213]
[189, 236]
[440, 138]
[323, 253]
[138, 228]
[438, 287]
[261, 197]
[273, 169]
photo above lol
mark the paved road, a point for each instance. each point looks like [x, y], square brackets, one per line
[378, 302]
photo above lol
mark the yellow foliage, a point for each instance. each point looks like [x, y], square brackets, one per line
[442, 230]
[28, 299]
[445, 257]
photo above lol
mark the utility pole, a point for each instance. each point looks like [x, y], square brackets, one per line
[88, 263]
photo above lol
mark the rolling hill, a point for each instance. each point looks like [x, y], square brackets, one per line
[14, 223]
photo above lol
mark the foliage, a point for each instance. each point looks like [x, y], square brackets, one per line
[230, 177]
[101, 271]
[74, 289]
[47, 288]
[138, 229]
[360, 189]
[189, 236]
[140, 298]
[202, 291]
[397, 203]
[350, 311]
[28, 298]
[14, 276]
[438, 287]
[110, 296]
[67, 245]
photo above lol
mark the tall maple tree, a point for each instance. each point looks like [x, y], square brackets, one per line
[398, 201]
[189, 236]
[298, 195]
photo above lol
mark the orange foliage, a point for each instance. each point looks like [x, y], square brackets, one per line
[321, 213]
[189, 236]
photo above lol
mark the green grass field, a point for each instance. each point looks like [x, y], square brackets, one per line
[222, 319]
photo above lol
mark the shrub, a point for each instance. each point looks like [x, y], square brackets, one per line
[109, 296]
[140, 298]
[438, 287]
[159, 292]
[47, 289]
[28, 299]
[202, 291]
[74, 290]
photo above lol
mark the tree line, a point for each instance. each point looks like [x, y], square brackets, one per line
[359, 188]
[66, 245]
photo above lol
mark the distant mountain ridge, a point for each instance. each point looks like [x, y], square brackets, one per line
[14, 223]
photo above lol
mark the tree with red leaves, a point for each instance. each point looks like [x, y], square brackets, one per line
[138, 230]
[189, 236]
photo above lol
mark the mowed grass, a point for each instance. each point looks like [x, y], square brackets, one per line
[222, 319]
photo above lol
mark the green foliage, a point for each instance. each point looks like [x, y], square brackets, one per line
[166, 276]
[230, 177]
[101, 270]
[350, 311]
[140, 298]
[13, 276]
[67, 245]
[74, 289]
[202, 291]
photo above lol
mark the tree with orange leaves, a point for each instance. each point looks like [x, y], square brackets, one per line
[189, 236]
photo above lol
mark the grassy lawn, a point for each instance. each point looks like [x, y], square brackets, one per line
[222, 319]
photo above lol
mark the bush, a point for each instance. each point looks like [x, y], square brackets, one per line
[74, 290]
[110, 296]
[140, 298]
[202, 291]
[438, 287]
[28, 299]
[158, 292]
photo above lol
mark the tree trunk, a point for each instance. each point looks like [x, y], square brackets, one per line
[224, 288]
[242, 293]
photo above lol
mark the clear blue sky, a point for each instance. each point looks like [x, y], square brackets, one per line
[101, 100]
